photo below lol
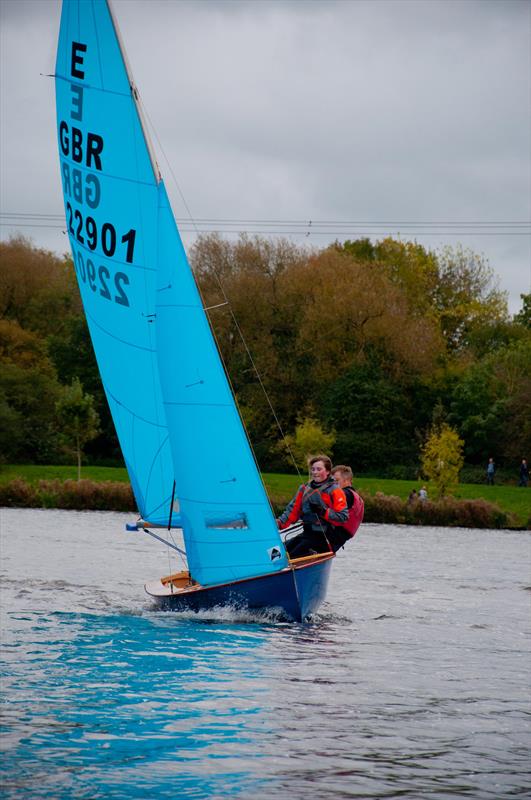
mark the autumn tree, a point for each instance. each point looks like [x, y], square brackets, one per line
[348, 308]
[363, 337]
[254, 316]
[442, 458]
[407, 264]
[455, 286]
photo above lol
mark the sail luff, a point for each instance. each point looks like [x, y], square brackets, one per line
[110, 182]
[229, 529]
[168, 392]
[134, 92]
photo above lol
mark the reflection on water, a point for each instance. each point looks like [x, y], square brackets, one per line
[411, 682]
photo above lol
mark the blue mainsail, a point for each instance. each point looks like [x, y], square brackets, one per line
[168, 393]
[229, 529]
[110, 192]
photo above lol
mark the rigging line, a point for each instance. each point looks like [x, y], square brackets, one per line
[166, 159]
[255, 368]
[183, 554]
[169, 530]
[171, 505]
[233, 317]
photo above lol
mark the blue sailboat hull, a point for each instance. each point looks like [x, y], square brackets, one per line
[293, 593]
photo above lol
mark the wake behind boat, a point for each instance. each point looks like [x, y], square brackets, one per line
[168, 393]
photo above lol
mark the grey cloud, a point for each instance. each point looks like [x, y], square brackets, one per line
[387, 109]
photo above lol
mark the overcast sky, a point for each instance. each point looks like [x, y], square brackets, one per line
[400, 115]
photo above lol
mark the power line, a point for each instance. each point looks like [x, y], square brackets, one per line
[286, 232]
[306, 222]
[313, 228]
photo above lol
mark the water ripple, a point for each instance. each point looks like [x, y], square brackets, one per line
[410, 682]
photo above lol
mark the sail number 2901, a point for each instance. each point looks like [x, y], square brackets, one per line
[85, 231]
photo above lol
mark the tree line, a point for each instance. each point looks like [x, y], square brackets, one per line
[361, 346]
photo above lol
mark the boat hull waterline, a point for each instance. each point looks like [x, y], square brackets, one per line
[293, 594]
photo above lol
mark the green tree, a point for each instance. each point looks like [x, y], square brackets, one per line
[490, 404]
[73, 355]
[442, 458]
[511, 369]
[466, 296]
[42, 317]
[524, 315]
[78, 418]
[37, 288]
[308, 440]
[28, 391]
[375, 415]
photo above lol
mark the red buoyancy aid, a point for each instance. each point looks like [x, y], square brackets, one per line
[333, 497]
[355, 515]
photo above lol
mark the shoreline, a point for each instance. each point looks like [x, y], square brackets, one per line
[90, 495]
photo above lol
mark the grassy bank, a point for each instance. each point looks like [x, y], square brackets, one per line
[511, 499]
[107, 488]
[31, 473]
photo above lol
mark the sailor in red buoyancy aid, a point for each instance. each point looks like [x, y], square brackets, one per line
[341, 533]
[320, 504]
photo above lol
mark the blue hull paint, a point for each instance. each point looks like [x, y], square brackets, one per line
[311, 582]
[295, 593]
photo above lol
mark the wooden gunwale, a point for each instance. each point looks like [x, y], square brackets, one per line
[184, 583]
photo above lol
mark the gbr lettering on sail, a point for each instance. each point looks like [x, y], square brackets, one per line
[82, 158]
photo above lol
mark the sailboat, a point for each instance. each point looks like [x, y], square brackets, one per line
[187, 454]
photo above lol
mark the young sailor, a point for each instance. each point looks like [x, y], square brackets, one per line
[319, 504]
[340, 534]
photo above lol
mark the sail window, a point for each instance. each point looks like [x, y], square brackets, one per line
[225, 521]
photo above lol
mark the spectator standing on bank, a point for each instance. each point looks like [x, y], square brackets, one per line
[491, 469]
[524, 473]
[423, 494]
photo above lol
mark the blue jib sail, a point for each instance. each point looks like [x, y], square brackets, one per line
[171, 403]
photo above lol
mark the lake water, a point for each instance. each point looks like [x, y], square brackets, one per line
[412, 682]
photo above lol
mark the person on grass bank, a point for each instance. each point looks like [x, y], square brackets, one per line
[413, 497]
[491, 471]
[320, 504]
[524, 473]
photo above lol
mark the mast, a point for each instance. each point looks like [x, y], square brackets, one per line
[135, 94]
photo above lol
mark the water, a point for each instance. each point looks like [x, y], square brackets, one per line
[412, 682]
